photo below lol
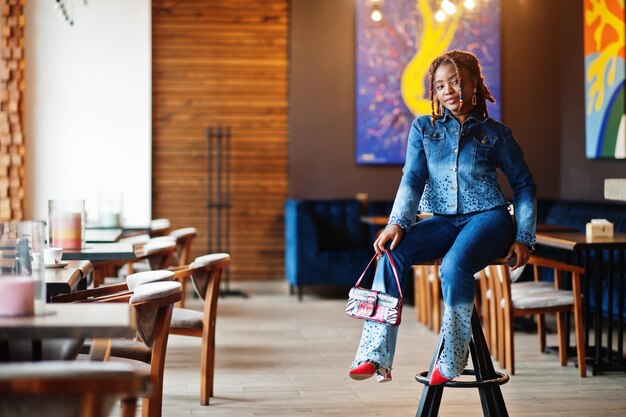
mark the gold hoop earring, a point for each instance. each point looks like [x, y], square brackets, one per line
[474, 98]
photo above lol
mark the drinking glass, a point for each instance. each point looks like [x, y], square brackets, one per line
[110, 206]
[21, 267]
[66, 223]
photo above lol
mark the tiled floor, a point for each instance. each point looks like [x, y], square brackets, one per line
[280, 357]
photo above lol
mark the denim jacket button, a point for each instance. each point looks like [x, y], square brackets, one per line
[483, 141]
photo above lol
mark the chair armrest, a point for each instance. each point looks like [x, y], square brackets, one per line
[86, 295]
[551, 263]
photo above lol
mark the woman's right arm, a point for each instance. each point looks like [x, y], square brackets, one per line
[394, 233]
[414, 175]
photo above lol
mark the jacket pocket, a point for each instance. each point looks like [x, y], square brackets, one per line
[484, 161]
[433, 144]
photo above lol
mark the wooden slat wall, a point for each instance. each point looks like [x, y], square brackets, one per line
[11, 110]
[223, 62]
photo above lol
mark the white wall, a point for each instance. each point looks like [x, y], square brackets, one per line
[88, 105]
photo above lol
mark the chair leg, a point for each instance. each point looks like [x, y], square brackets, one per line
[436, 300]
[493, 327]
[206, 369]
[541, 331]
[417, 293]
[580, 341]
[128, 407]
[510, 347]
[560, 326]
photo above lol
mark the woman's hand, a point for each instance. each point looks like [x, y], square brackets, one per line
[393, 233]
[521, 252]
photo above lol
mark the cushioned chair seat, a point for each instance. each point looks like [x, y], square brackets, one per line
[528, 297]
[184, 318]
[125, 348]
[51, 350]
[140, 366]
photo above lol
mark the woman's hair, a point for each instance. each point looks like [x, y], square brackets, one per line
[459, 59]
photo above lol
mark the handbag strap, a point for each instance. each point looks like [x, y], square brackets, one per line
[393, 268]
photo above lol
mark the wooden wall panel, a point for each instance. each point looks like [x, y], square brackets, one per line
[223, 62]
[11, 110]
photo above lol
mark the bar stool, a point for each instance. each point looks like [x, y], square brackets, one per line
[487, 381]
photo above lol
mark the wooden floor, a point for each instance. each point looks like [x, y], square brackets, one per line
[280, 357]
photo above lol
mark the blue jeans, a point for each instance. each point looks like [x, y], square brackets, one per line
[467, 243]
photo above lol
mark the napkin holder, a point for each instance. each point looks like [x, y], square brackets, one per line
[599, 228]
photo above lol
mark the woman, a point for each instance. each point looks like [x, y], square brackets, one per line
[450, 170]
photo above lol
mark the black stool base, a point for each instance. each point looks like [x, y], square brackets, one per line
[488, 381]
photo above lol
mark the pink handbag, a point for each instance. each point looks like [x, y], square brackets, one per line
[368, 304]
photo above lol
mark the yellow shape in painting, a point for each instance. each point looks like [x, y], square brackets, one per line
[607, 58]
[435, 40]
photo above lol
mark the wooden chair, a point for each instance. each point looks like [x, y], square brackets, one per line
[120, 292]
[154, 254]
[423, 283]
[153, 302]
[184, 239]
[536, 298]
[205, 273]
[159, 227]
[427, 288]
[64, 389]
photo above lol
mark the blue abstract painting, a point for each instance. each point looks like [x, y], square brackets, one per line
[392, 59]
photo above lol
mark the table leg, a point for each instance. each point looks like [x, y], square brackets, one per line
[598, 309]
[609, 333]
[620, 308]
[4, 350]
[37, 349]
[587, 295]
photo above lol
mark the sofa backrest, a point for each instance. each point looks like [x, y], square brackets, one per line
[578, 213]
[338, 223]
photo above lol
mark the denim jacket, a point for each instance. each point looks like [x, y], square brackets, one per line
[451, 168]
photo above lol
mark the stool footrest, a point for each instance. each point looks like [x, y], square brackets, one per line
[500, 378]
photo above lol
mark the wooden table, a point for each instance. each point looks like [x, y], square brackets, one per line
[69, 321]
[65, 280]
[614, 249]
[104, 257]
[102, 235]
[541, 227]
[118, 251]
[382, 220]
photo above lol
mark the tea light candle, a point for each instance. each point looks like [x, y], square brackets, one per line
[17, 296]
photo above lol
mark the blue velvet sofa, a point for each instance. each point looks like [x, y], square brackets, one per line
[326, 243]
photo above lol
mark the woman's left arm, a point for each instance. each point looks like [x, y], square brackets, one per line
[524, 197]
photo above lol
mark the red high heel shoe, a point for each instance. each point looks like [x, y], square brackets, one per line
[363, 371]
[436, 378]
[383, 375]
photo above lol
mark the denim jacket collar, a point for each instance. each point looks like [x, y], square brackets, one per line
[475, 114]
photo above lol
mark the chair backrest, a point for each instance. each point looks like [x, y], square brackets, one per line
[153, 303]
[158, 252]
[206, 272]
[63, 389]
[184, 239]
[159, 227]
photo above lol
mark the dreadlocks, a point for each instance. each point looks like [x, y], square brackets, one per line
[459, 59]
